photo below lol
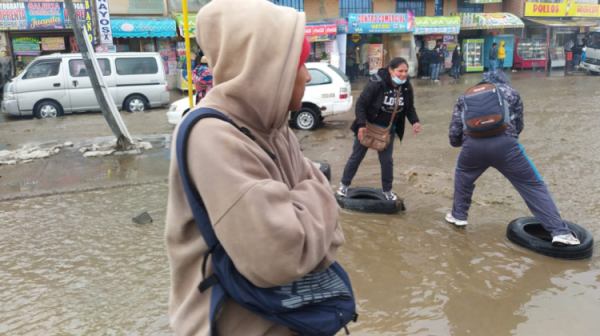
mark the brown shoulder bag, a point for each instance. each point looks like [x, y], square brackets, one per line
[378, 138]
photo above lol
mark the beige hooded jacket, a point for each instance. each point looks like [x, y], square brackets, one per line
[278, 220]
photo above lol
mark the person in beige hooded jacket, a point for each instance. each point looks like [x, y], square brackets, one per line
[277, 219]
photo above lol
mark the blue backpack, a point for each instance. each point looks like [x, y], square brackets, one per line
[319, 304]
[486, 112]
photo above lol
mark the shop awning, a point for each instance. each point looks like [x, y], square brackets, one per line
[559, 23]
[320, 32]
[425, 25]
[143, 27]
[489, 20]
[181, 24]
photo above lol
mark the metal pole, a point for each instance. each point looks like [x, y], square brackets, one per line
[186, 29]
[123, 142]
[547, 46]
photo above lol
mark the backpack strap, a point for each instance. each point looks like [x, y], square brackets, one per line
[195, 200]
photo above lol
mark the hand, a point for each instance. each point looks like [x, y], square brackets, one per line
[416, 129]
[361, 133]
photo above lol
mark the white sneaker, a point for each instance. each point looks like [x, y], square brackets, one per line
[390, 196]
[343, 190]
[567, 239]
[450, 219]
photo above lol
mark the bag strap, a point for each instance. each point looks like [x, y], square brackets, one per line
[195, 200]
[396, 105]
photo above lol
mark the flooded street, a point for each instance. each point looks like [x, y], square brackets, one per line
[74, 264]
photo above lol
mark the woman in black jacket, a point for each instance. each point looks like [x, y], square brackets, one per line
[376, 105]
[457, 58]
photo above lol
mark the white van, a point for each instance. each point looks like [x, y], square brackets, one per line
[53, 85]
[592, 54]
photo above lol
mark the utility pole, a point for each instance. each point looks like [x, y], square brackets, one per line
[124, 141]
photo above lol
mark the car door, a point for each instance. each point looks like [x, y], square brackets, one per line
[44, 79]
[82, 93]
[321, 91]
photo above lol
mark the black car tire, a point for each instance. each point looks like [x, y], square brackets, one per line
[47, 109]
[527, 232]
[369, 200]
[306, 119]
[325, 168]
[137, 99]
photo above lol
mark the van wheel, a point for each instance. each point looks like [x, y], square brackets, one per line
[306, 119]
[593, 73]
[135, 104]
[48, 109]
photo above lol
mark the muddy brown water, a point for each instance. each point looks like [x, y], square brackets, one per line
[74, 264]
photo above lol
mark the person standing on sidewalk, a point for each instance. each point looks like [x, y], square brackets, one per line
[501, 55]
[501, 150]
[272, 210]
[358, 62]
[437, 58]
[350, 62]
[457, 59]
[376, 105]
[426, 62]
[493, 56]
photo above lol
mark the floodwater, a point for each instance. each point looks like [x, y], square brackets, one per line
[74, 264]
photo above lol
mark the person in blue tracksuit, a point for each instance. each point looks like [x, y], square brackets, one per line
[504, 153]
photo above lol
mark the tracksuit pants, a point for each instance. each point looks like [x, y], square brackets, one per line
[507, 156]
[385, 159]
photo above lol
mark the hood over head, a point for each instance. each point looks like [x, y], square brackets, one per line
[253, 48]
[502, 43]
[496, 77]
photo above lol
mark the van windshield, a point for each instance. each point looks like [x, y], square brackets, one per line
[594, 40]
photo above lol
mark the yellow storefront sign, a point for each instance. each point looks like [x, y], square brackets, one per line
[567, 9]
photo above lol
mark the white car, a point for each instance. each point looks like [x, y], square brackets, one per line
[327, 94]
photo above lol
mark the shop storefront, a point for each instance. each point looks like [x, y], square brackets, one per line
[32, 29]
[550, 27]
[146, 34]
[322, 38]
[479, 31]
[383, 37]
[430, 30]
[180, 59]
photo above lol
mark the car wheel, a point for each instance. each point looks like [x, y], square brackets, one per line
[135, 104]
[48, 109]
[593, 73]
[306, 119]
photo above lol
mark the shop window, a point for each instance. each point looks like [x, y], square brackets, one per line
[136, 66]
[416, 6]
[77, 67]
[464, 6]
[295, 4]
[317, 77]
[355, 7]
[439, 7]
[42, 70]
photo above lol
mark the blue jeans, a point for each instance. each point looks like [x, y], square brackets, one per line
[501, 63]
[435, 70]
[492, 65]
[456, 71]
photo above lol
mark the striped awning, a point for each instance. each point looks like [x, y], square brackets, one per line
[489, 20]
[425, 25]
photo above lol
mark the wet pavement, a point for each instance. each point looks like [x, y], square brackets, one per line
[74, 264]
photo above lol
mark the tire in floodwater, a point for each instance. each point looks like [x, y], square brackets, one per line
[369, 200]
[325, 168]
[529, 233]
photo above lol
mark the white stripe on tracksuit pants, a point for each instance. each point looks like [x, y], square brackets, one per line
[506, 155]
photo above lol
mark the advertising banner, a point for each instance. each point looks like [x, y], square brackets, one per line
[53, 43]
[381, 23]
[341, 24]
[45, 16]
[26, 46]
[568, 8]
[375, 58]
[103, 13]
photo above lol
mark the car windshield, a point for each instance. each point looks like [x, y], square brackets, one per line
[594, 41]
[337, 71]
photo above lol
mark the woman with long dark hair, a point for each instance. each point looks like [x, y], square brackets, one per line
[387, 91]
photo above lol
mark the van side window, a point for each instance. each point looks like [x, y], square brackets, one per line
[317, 77]
[77, 67]
[44, 69]
[136, 66]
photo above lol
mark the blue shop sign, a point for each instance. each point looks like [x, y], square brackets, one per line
[381, 23]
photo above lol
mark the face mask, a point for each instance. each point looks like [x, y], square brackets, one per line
[458, 48]
[398, 81]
